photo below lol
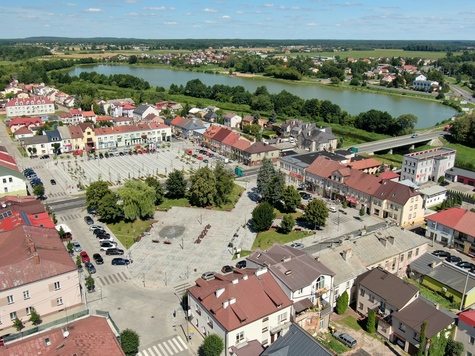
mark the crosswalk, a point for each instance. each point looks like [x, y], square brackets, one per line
[113, 278]
[69, 217]
[57, 194]
[166, 347]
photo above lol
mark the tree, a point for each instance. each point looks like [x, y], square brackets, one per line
[265, 175]
[342, 303]
[155, 184]
[404, 125]
[95, 193]
[78, 262]
[56, 148]
[362, 212]
[316, 213]
[290, 199]
[35, 318]
[39, 190]
[129, 341]
[90, 284]
[109, 208]
[138, 200]
[255, 118]
[18, 324]
[224, 183]
[69, 246]
[371, 322]
[176, 185]
[453, 348]
[272, 118]
[212, 345]
[262, 216]
[287, 224]
[422, 340]
[203, 187]
[275, 188]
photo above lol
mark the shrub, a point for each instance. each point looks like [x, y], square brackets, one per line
[342, 303]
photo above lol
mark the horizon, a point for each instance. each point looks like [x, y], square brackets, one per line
[367, 20]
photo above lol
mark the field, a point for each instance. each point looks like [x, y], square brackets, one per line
[378, 53]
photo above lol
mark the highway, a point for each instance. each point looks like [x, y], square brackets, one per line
[400, 141]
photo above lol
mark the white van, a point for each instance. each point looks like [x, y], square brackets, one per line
[332, 209]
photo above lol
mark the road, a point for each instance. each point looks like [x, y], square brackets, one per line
[463, 93]
[400, 141]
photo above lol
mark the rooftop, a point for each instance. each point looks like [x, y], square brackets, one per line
[438, 152]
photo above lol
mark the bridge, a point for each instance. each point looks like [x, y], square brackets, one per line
[406, 141]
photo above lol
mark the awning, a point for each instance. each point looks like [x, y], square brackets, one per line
[350, 199]
[303, 304]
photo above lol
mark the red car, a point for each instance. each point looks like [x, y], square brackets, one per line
[84, 257]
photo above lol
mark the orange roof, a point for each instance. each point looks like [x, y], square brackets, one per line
[22, 131]
[364, 164]
[89, 336]
[104, 118]
[211, 131]
[34, 100]
[231, 139]
[242, 144]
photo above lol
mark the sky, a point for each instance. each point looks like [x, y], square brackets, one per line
[245, 19]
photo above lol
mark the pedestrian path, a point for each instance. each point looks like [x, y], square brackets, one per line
[173, 345]
[69, 217]
[113, 278]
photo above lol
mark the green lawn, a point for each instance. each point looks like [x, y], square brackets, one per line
[433, 296]
[126, 232]
[333, 344]
[378, 53]
[266, 239]
[351, 322]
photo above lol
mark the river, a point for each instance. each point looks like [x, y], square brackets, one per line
[354, 102]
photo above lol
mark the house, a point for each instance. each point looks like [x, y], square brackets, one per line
[427, 166]
[37, 145]
[209, 134]
[91, 335]
[367, 165]
[304, 280]
[239, 147]
[453, 227]
[189, 128]
[30, 106]
[11, 180]
[239, 307]
[444, 278]
[65, 134]
[77, 138]
[465, 331]
[390, 248]
[143, 110]
[24, 122]
[177, 125]
[406, 324]
[232, 120]
[295, 342]
[218, 138]
[433, 195]
[460, 175]
[311, 138]
[36, 272]
[421, 83]
[54, 140]
[254, 154]
[22, 133]
[23, 210]
[122, 121]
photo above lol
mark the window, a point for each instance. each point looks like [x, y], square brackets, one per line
[210, 323]
[471, 340]
[28, 310]
[360, 306]
[239, 337]
[57, 285]
[417, 251]
[320, 282]
[371, 298]
[362, 292]
[265, 342]
[282, 317]
[416, 336]
[409, 254]
[4, 180]
[402, 327]
[402, 257]
[12, 315]
[26, 294]
[10, 299]
[59, 301]
[266, 319]
[10, 179]
[198, 310]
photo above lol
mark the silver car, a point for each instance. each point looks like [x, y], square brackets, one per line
[77, 247]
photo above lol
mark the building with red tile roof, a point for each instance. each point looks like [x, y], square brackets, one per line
[453, 227]
[389, 175]
[36, 272]
[35, 105]
[23, 210]
[19, 122]
[243, 305]
[367, 165]
[209, 134]
[90, 336]
[22, 133]
[465, 332]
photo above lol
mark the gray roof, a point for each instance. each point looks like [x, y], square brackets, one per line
[433, 190]
[296, 342]
[419, 311]
[53, 135]
[294, 268]
[391, 288]
[64, 132]
[444, 272]
[460, 172]
[37, 139]
[139, 110]
[5, 171]
[368, 251]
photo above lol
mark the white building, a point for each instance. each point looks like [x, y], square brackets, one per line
[433, 196]
[427, 166]
[34, 106]
[244, 305]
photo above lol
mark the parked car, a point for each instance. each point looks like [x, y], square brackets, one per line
[98, 232]
[297, 245]
[52, 181]
[345, 339]
[88, 220]
[241, 264]
[114, 251]
[94, 227]
[226, 269]
[98, 258]
[91, 210]
[332, 209]
[77, 247]
[441, 253]
[105, 238]
[84, 257]
[208, 275]
[465, 264]
[120, 261]
[453, 259]
[444, 183]
[90, 267]
[107, 245]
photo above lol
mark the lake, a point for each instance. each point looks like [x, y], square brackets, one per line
[354, 102]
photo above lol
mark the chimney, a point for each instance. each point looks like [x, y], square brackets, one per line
[347, 254]
[37, 259]
[232, 300]
[32, 247]
[219, 292]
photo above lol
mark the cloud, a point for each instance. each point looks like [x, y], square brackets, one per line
[131, 1]
[209, 10]
[170, 23]
[93, 9]
[155, 8]
[225, 17]
[311, 24]
[69, 4]
[268, 5]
